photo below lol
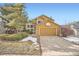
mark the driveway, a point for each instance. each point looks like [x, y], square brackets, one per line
[55, 46]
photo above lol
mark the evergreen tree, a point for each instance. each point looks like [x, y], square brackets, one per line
[15, 14]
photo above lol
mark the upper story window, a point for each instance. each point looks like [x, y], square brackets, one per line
[48, 24]
[39, 22]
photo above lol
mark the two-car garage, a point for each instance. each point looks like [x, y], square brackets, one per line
[48, 31]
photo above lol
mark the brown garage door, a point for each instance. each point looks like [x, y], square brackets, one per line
[47, 31]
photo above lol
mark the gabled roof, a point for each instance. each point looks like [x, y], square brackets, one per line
[44, 17]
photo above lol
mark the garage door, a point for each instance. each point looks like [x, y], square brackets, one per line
[47, 31]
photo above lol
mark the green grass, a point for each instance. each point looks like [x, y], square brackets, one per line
[13, 37]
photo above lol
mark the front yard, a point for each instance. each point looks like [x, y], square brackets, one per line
[13, 44]
[19, 48]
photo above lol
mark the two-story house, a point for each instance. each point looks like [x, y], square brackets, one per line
[44, 26]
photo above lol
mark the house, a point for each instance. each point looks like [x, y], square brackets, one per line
[75, 27]
[45, 26]
[30, 27]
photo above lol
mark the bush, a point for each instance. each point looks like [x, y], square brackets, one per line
[30, 32]
[13, 37]
[66, 32]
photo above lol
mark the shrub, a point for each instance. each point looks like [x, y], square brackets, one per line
[30, 32]
[13, 37]
[66, 32]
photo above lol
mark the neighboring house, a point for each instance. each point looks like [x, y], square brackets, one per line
[76, 26]
[30, 27]
[45, 26]
[74, 29]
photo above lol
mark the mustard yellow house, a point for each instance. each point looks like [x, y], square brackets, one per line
[45, 26]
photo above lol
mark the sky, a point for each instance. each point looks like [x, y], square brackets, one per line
[62, 13]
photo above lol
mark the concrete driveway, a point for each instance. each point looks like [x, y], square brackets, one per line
[55, 46]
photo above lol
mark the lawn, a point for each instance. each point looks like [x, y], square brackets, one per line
[18, 48]
[11, 44]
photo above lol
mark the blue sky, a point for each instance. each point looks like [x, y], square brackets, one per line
[61, 13]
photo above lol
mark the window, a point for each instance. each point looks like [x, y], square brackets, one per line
[39, 22]
[28, 26]
[48, 24]
[31, 26]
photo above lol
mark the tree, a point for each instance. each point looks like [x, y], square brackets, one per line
[15, 13]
